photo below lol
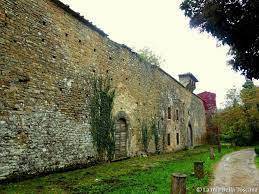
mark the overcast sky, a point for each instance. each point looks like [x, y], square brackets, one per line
[161, 26]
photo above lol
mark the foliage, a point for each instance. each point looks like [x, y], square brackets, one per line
[257, 161]
[144, 136]
[234, 125]
[135, 175]
[239, 122]
[232, 23]
[257, 150]
[248, 93]
[232, 98]
[101, 121]
[155, 131]
[148, 56]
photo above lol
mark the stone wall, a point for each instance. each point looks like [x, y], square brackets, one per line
[48, 53]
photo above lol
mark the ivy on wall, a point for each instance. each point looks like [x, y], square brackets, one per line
[101, 121]
[147, 134]
[155, 132]
[144, 136]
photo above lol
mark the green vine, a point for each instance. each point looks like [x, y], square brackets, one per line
[144, 136]
[155, 131]
[101, 121]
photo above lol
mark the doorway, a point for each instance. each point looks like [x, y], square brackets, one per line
[190, 136]
[121, 130]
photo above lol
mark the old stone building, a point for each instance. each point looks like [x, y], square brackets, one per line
[48, 52]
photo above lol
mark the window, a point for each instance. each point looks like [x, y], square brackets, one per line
[168, 139]
[177, 114]
[169, 116]
[177, 138]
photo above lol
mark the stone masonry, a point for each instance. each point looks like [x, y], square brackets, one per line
[48, 52]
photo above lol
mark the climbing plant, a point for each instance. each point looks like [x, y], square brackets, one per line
[101, 121]
[155, 132]
[144, 136]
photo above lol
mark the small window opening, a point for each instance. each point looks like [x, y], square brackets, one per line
[169, 116]
[110, 58]
[94, 49]
[177, 138]
[79, 41]
[177, 115]
[66, 34]
[168, 139]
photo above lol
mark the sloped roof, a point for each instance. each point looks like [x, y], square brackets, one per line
[189, 74]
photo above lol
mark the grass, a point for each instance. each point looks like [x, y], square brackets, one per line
[257, 161]
[257, 155]
[136, 175]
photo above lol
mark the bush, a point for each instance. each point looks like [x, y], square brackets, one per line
[257, 150]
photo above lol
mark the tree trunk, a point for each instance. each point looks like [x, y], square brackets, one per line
[178, 185]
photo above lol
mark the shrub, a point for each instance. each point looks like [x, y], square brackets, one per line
[257, 150]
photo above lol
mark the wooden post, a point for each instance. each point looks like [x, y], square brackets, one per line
[212, 155]
[218, 138]
[198, 169]
[178, 185]
[219, 147]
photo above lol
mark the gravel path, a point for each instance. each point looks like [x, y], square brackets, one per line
[236, 173]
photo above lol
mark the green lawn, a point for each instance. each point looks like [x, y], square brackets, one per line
[136, 175]
[257, 161]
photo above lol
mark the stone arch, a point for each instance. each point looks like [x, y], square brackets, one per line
[189, 135]
[122, 135]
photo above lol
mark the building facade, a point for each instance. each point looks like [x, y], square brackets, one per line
[48, 54]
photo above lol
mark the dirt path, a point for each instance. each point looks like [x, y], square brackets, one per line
[236, 171]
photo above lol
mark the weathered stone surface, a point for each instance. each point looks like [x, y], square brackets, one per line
[47, 54]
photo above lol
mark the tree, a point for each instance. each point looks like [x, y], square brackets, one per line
[232, 22]
[248, 93]
[234, 125]
[239, 121]
[148, 56]
[250, 98]
[232, 98]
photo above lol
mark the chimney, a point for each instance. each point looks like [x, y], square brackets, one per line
[188, 80]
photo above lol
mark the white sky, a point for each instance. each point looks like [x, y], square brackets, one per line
[161, 26]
